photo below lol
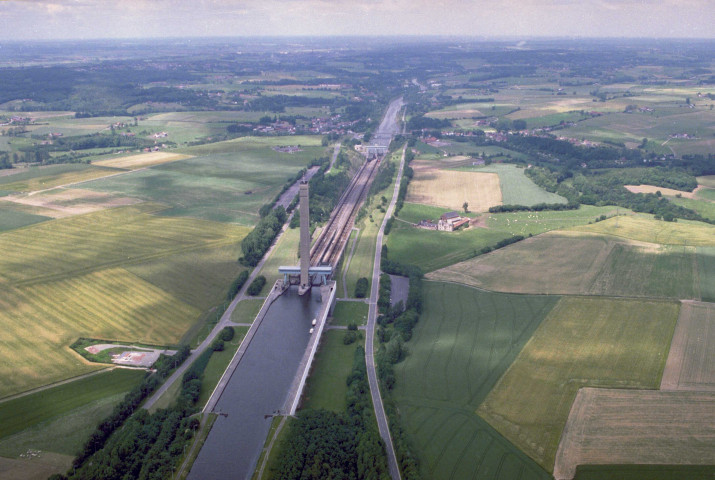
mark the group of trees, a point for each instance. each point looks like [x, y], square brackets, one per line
[107, 454]
[361, 287]
[396, 325]
[259, 240]
[256, 285]
[322, 444]
[539, 207]
[607, 188]
[147, 446]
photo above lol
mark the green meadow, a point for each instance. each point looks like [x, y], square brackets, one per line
[465, 340]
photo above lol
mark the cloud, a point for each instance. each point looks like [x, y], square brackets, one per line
[129, 18]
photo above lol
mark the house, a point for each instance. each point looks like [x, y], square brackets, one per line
[427, 224]
[451, 221]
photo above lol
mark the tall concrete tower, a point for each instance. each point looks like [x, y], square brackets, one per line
[304, 239]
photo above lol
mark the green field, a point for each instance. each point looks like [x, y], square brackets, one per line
[534, 223]
[246, 310]
[597, 342]
[706, 273]
[224, 187]
[516, 187]
[217, 365]
[644, 472]
[41, 178]
[200, 278]
[705, 208]
[65, 434]
[567, 263]
[414, 212]
[707, 181]
[11, 219]
[41, 321]
[33, 409]
[706, 194]
[104, 239]
[645, 229]
[64, 279]
[463, 343]
[284, 253]
[326, 387]
[350, 312]
[432, 250]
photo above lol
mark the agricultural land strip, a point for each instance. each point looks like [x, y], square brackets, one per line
[450, 188]
[223, 187]
[691, 362]
[11, 219]
[637, 426]
[645, 229]
[64, 202]
[119, 236]
[517, 188]
[326, 387]
[26, 411]
[133, 162]
[465, 340]
[597, 342]
[653, 189]
[41, 321]
[432, 250]
[571, 263]
[42, 178]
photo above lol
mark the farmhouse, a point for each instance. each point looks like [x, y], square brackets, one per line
[427, 224]
[451, 221]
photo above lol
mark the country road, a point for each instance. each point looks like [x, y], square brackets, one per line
[382, 423]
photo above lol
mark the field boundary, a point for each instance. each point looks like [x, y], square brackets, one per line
[108, 368]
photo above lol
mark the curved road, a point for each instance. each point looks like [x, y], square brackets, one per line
[382, 423]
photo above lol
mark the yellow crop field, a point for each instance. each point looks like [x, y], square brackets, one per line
[597, 342]
[456, 114]
[665, 191]
[450, 189]
[647, 229]
[617, 426]
[52, 181]
[118, 236]
[134, 162]
[41, 321]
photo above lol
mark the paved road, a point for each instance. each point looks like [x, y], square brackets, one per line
[382, 423]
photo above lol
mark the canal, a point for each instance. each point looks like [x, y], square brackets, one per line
[257, 388]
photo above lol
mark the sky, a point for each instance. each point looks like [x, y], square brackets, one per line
[90, 19]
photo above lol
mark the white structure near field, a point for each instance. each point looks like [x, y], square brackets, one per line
[448, 222]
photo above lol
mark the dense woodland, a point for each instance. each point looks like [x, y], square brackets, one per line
[322, 444]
